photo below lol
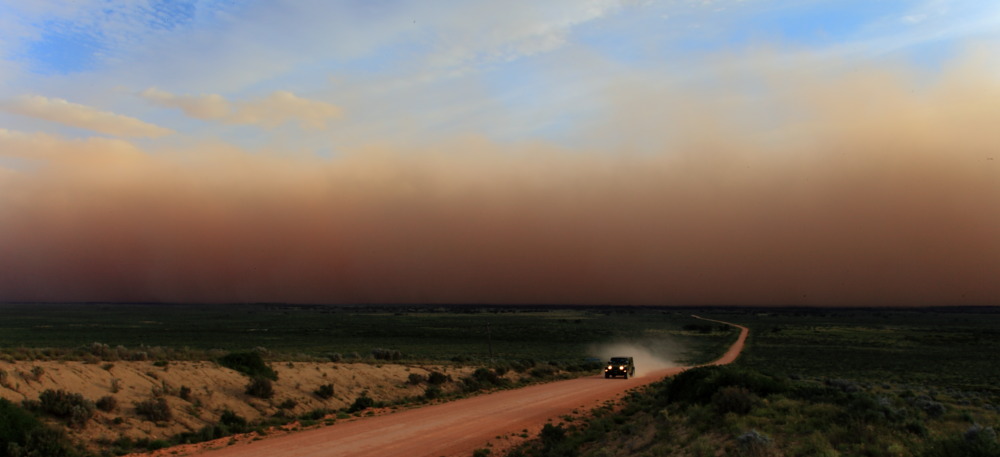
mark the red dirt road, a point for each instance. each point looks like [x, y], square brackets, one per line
[459, 427]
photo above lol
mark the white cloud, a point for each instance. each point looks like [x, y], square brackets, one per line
[488, 32]
[209, 106]
[281, 107]
[401, 65]
[55, 148]
[276, 109]
[81, 116]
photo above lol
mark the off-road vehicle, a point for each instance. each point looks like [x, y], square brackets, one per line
[619, 366]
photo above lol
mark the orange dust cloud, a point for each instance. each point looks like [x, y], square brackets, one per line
[873, 187]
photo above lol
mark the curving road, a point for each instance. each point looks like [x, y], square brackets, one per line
[458, 427]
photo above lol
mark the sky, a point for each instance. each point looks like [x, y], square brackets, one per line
[681, 152]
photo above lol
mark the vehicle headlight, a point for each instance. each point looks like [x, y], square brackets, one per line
[621, 368]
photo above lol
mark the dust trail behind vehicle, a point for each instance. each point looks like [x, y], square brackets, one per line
[649, 355]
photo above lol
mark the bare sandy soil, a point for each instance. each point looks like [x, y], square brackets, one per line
[213, 389]
[450, 429]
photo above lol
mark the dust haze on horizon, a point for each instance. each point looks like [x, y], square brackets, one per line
[767, 177]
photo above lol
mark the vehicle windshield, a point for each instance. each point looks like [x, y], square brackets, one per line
[619, 360]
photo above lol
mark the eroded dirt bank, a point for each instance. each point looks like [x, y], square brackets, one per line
[199, 392]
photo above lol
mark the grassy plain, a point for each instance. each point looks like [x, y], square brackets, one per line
[814, 382]
[948, 347]
[463, 333]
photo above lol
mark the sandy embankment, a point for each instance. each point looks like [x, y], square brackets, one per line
[213, 389]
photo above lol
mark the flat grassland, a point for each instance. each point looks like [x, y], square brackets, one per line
[296, 332]
[948, 347]
[823, 382]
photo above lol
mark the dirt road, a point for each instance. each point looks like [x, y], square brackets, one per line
[459, 427]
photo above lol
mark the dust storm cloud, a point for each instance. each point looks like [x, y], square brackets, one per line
[874, 187]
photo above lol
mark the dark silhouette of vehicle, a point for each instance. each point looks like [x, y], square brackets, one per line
[619, 366]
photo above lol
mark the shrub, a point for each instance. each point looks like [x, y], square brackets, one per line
[416, 378]
[482, 378]
[234, 422]
[15, 424]
[552, 436]
[915, 427]
[155, 410]
[315, 414]
[543, 372]
[843, 385]
[699, 385]
[386, 354]
[42, 442]
[486, 376]
[229, 423]
[361, 403]
[75, 409]
[979, 433]
[733, 399]
[288, 404]
[437, 378]
[521, 366]
[932, 408]
[470, 385]
[753, 444]
[325, 391]
[250, 364]
[977, 441]
[432, 391]
[107, 403]
[184, 393]
[260, 387]
[335, 357]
